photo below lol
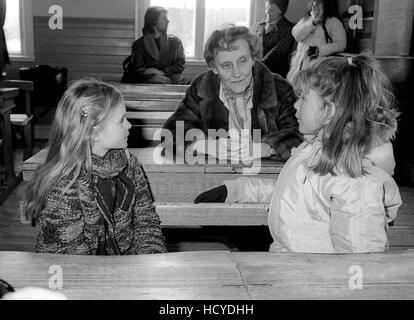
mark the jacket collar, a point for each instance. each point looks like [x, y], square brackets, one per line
[152, 48]
[264, 91]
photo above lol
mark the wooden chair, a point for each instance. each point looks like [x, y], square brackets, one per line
[23, 121]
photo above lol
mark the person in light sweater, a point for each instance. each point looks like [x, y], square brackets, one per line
[319, 33]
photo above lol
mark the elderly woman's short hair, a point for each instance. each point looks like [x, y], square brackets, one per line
[223, 40]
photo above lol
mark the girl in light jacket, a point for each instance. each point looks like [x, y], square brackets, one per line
[335, 194]
[319, 33]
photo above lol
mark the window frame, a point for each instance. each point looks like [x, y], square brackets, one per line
[26, 33]
[142, 5]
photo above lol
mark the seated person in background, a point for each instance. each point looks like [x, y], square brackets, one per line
[319, 33]
[156, 57]
[238, 94]
[91, 196]
[276, 34]
[335, 194]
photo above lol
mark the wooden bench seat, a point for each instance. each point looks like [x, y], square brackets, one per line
[149, 106]
[223, 275]
[174, 188]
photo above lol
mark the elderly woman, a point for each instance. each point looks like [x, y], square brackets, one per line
[239, 94]
[319, 33]
[156, 57]
[276, 34]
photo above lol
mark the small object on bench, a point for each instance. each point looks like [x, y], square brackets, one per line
[20, 120]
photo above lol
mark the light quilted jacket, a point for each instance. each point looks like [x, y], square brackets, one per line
[323, 214]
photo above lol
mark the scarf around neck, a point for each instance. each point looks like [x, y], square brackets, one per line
[115, 192]
[239, 104]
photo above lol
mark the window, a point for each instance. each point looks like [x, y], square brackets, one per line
[18, 29]
[194, 20]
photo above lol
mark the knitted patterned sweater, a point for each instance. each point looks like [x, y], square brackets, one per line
[71, 221]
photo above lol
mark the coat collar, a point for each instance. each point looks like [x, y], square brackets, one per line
[152, 48]
[264, 91]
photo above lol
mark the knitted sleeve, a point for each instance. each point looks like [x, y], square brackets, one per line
[62, 224]
[147, 229]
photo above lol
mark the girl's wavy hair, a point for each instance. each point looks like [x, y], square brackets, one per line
[223, 40]
[365, 115]
[81, 110]
[151, 19]
[330, 9]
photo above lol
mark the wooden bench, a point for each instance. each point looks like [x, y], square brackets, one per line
[215, 275]
[174, 188]
[149, 106]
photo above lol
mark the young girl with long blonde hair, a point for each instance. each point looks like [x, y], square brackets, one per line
[91, 196]
[335, 194]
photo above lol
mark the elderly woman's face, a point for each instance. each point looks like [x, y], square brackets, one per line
[272, 11]
[235, 67]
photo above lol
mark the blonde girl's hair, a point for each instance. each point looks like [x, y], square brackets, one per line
[83, 107]
[365, 115]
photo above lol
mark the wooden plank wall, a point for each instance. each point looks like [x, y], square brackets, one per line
[395, 23]
[87, 47]
[94, 47]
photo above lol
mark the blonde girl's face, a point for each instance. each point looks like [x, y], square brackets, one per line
[113, 132]
[310, 112]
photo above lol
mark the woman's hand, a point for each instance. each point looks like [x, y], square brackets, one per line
[218, 195]
[154, 72]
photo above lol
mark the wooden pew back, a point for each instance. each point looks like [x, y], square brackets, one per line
[149, 106]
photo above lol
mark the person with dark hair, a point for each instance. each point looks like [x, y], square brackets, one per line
[157, 57]
[319, 33]
[238, 95]
[276, 34]
[4, 54]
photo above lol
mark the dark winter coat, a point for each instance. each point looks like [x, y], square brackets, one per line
[277, 45]
[169, 58]
[273, 111]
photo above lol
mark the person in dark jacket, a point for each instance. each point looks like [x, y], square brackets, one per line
[238, 94]
[276, 34]
[157, 57]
